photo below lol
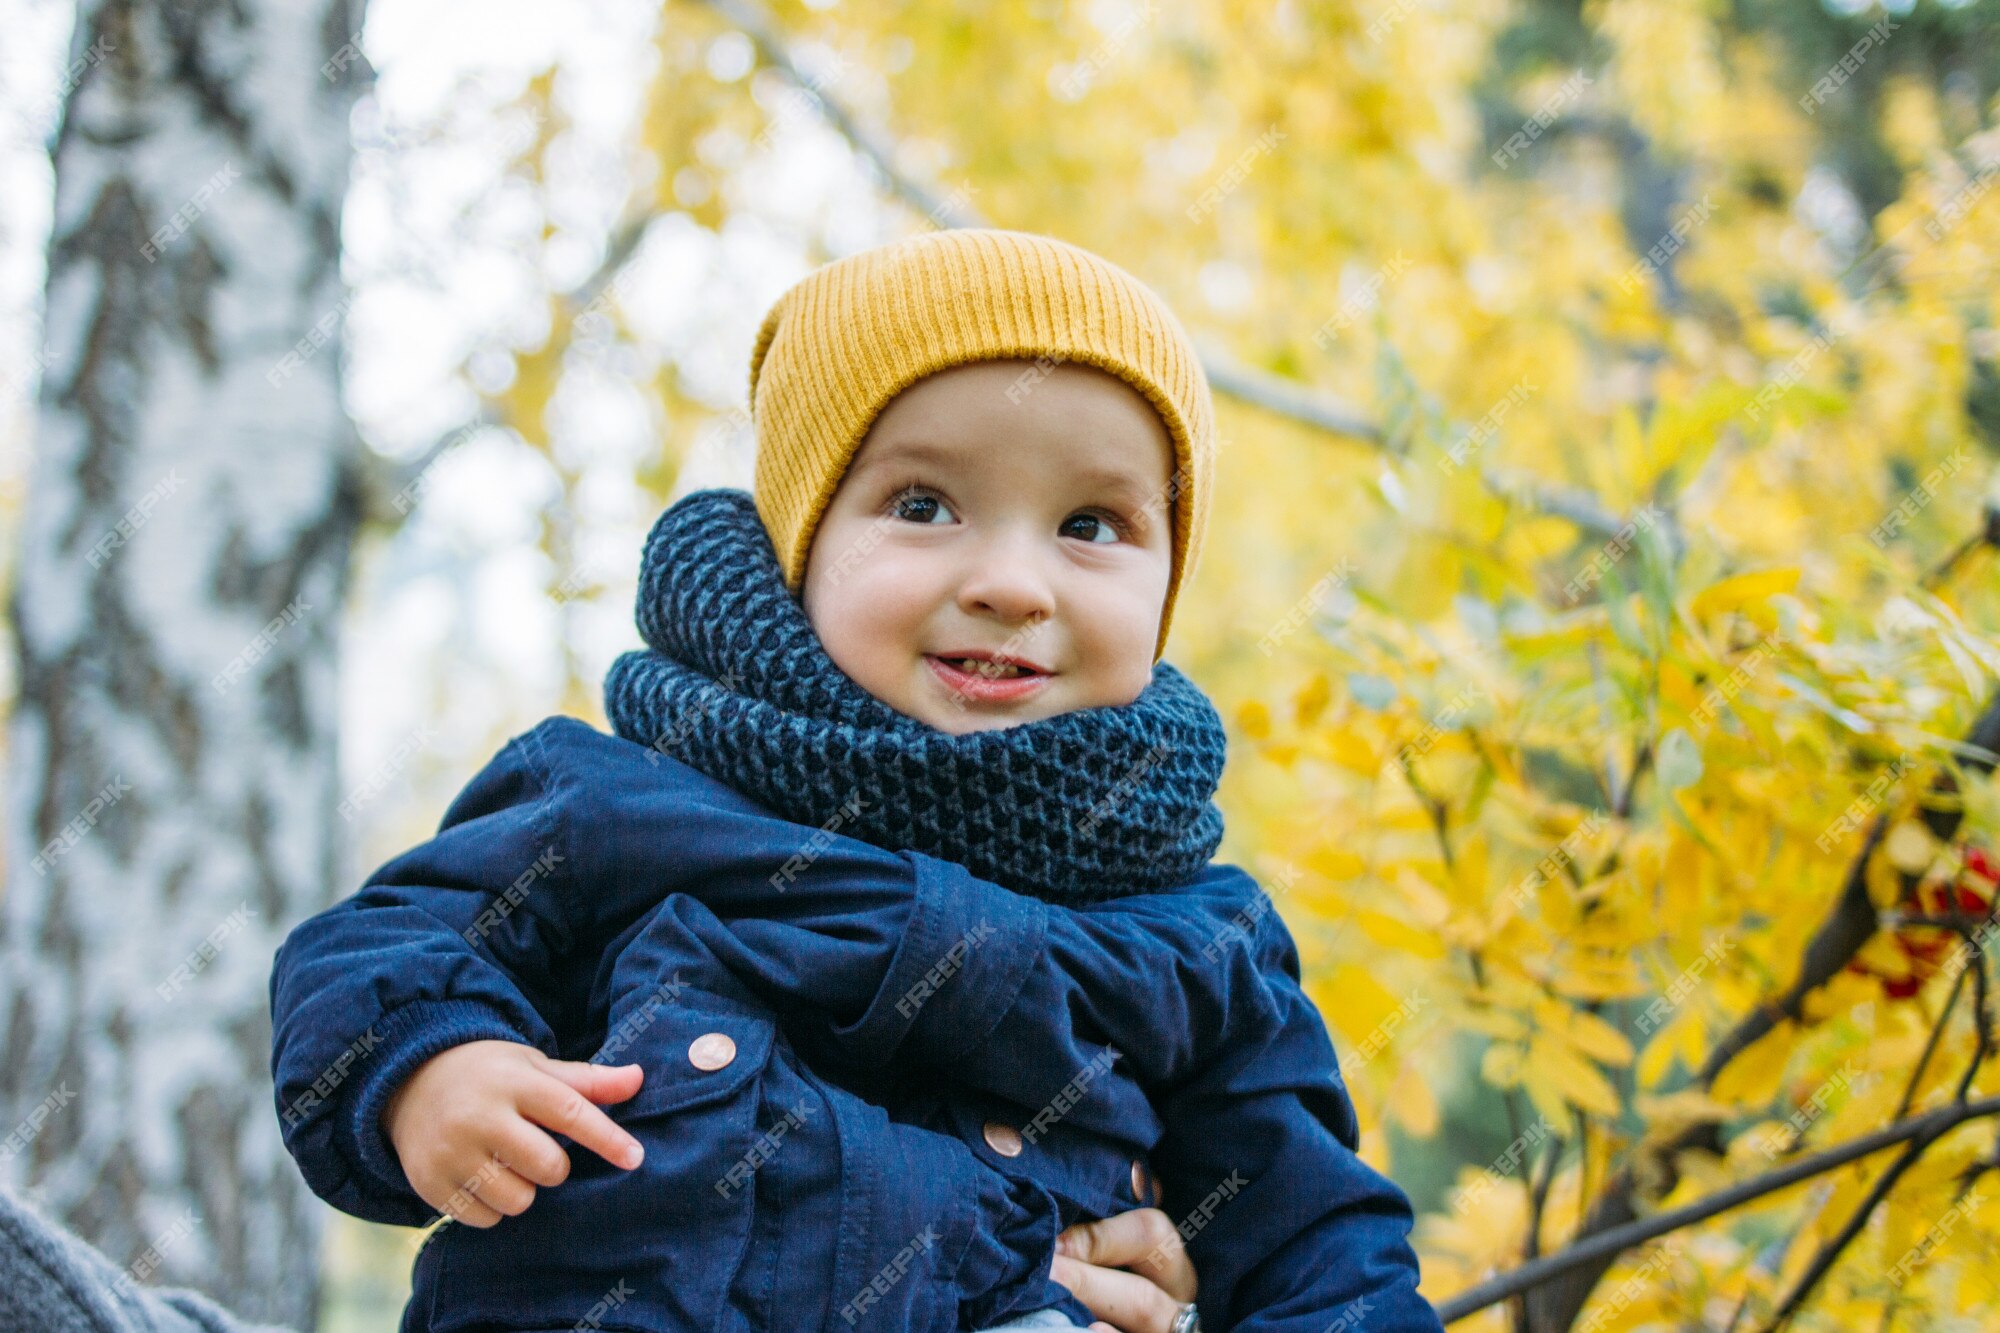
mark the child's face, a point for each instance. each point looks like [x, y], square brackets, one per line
[1034, 526]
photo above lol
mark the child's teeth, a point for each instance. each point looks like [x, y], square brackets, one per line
[976, 667]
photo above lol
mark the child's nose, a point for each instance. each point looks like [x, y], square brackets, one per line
[1005, 578]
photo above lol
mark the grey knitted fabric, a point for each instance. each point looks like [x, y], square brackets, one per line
[53, 1281]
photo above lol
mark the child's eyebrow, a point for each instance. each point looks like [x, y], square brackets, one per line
[1128, 486]
[899, 451]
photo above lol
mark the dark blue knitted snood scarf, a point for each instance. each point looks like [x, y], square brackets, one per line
[1093, 803]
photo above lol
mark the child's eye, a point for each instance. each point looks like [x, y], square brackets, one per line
[909, 504]
[1106, 529]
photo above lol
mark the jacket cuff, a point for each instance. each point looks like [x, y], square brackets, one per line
[1012, 1218]
[964, 957]
[402, 1040]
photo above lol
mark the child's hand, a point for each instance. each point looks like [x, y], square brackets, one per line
[464, 1125]
[1131, 1270]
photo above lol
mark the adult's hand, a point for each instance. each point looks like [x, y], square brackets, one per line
[1131, 1269]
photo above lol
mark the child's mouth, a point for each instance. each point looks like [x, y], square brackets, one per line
[973, 678]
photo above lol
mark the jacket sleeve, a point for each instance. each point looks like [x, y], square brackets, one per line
[1018, 996]
[1290, 1231]
[369, 989]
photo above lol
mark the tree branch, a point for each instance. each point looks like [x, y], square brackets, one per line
[1909, 1096]
[770, 43]
[1830, 1252]
[1605, 1246]
[391, 488]
[1281, 397]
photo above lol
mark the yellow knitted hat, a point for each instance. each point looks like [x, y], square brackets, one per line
[854, 333]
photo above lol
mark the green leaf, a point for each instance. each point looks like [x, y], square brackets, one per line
[1679, 761]
[1618, 610]
[1371, 691]
[1656, 581]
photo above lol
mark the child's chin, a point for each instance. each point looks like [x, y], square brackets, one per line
[966, 726]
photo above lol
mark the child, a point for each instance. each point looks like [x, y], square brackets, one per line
[922, 960]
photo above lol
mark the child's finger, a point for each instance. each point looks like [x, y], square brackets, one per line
[502, 1189]
[464, 1208]
[493, 1188]
[533, 1155]
[600, 1083]
[554, 1104]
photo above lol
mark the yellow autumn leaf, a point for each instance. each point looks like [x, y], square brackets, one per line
[1751, 1078]
[1485, 1225]
[1598, 977]
[1355, 1002]
[1885, 887]
[1598, 1039]
[1412, 1103]
[1502, 1064]
[1393, 933]
[1575, 1078]
[1312, 699]
[1468, 882]
[1351, 751]
[1656, 1057]
[1334, 863]
[1742, 590]
[1545, 1092]
[1882, 955]
[1667, 1115]
[1497, 1023]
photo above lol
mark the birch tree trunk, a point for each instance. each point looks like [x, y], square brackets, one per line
[171, 762]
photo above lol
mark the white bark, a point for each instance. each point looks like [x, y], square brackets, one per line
[171, 765]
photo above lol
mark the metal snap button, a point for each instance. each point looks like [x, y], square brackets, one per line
[1003, 1139]
[711, 1050]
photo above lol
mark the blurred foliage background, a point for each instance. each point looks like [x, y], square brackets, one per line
[1601, 581]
